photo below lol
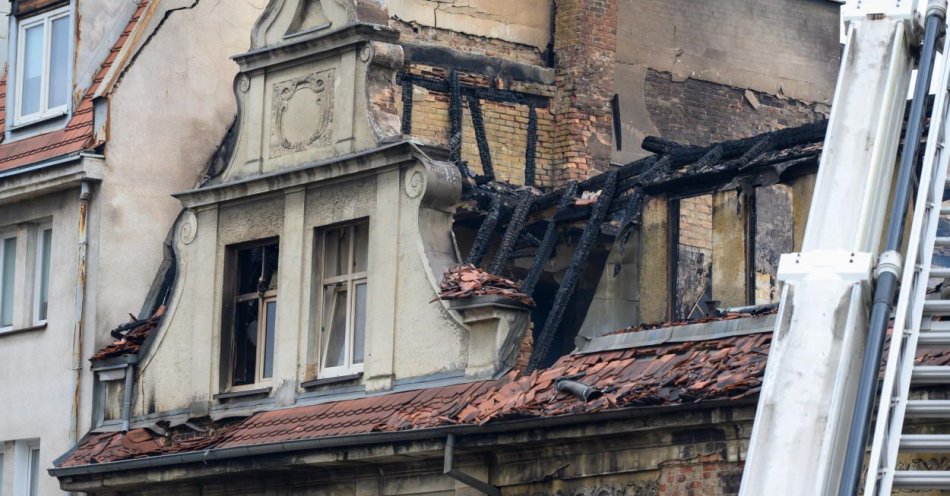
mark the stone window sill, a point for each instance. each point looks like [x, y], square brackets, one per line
[246, 393]
[37, 327]
[331, 380]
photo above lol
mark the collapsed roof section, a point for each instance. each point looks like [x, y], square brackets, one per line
[515, 231]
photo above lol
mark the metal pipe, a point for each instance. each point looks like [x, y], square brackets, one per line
[887, 280]
[448, 468]
[76, 365]
[127, 397]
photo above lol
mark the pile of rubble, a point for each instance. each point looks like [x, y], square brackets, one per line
[467, 280]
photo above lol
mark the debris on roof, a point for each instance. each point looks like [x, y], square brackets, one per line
[465, 281]
[728, 314]
[130, 336]
[693, 372]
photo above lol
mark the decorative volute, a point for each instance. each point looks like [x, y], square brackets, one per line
[318, 83]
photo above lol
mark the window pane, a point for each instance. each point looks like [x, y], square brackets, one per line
[59, 62]
[6, 285]
[362, 248]
[337, 253]
[245, 342]
[269, 338]
[257, 269]
[335, 325]
[34, 471]
[46, 241]
[32, 70]
[359, 323]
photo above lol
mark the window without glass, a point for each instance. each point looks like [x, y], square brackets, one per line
[255, 314]
[41, 298]
[42, 66]
[343, 282]
[7, 278]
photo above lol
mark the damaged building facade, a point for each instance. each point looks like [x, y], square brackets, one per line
[472, 247]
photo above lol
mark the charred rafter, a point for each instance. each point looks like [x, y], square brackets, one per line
[571, 277]
[549, 241]
[485, 232]
[513, 232]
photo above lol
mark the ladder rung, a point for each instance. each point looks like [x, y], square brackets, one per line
[942, 241]
[934, 325]
[930, 374]
[925, 443]
[922, 479]
[934, 338]
[936, 307]
[927, 409]
[939, 272]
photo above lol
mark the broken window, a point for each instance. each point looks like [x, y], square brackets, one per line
[694, 257]
[7, 278]
[255, 314]
[344, 264]
[42, 66]
[44, 240]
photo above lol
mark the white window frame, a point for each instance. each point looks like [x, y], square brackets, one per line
[38, 272]
[23, 482]
[350, 281]
[4, 236]
[46, 19]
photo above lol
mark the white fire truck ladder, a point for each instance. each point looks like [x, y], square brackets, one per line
[918, 323]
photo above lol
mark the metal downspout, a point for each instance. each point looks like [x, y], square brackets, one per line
[887, 280]
[449, 469]
[127, 397]
[76, 365]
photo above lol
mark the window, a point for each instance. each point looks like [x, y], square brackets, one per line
[255, 314]
[33, 482]
[7, 278]
[44, 240]
[27, 468]
[42, 66]
[343, 326]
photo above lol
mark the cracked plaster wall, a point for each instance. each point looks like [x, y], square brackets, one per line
[525, 22]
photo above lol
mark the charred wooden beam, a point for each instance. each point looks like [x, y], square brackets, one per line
[406, 107]
[484, 235]
[513, 232]
[708, 161]
[455, 118]
[549, 241]
[571, 277]
[482, 93]
[481, 139]
[531, 147]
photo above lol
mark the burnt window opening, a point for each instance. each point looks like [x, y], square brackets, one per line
[725, 249]
[344, 268]
[255, 313]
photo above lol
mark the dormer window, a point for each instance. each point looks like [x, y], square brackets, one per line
[42, 66]
[255, 314]
[344, 267]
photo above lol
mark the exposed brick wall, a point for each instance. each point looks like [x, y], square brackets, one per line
[585, 44]
[700, 478]
[506, 126]
[696, 222]
[699, 112]
[410, 32]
